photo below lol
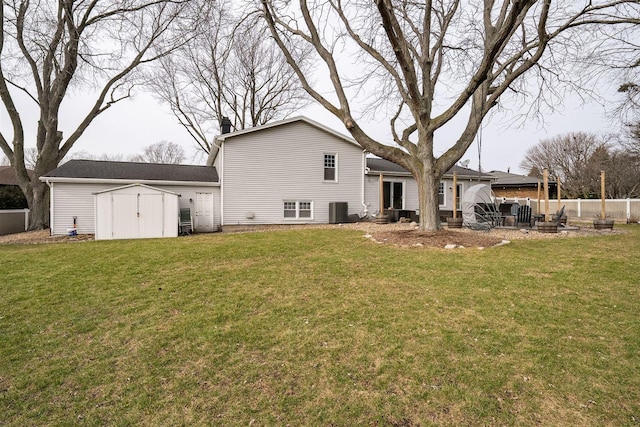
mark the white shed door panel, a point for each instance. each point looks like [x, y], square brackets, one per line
[137, 215]
[204, 212]
[125, 219]
[151, 218]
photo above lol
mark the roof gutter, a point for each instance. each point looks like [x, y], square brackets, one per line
[50, 179]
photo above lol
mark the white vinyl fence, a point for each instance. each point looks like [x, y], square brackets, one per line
[13, 221]
[584, 209]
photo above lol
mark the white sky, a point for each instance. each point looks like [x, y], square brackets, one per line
[132, 124]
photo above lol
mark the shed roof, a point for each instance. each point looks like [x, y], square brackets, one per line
[377, 165]
[108, 170]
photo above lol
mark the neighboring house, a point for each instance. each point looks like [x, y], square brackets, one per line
[400, 190]
[513, 186]
[76, 184]
[288, 172]
[11, 196]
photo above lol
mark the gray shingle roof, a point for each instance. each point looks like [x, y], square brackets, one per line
[8, 175]
[99, 169]
[377, 165]
[506, 179]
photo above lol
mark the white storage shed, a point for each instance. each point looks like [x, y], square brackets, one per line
[76, 184]
[136, 211]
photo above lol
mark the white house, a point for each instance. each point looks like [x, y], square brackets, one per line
[292, 171]
[288, 172]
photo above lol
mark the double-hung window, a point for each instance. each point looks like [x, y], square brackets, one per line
[441, 194]
[290, 210]
[296, 209]
[330, 167]
[304, 209]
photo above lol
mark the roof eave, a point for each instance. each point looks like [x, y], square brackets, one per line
[125, 182]
[389, 173]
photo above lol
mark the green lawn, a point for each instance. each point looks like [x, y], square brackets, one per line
[320, 327]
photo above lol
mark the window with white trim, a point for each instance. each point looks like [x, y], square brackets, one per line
[296, 209]
[330, 167]
[290, 210]
[304, 209]
[441, 194]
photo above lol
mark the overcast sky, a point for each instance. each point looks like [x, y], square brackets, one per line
[132, 124]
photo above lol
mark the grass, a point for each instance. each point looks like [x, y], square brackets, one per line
[320, 327]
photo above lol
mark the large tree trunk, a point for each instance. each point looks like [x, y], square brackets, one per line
[428, 201]
[37, 195]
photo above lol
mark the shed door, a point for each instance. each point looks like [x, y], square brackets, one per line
[151, 218]
[137, 215]
[124, 212]
[204, 212]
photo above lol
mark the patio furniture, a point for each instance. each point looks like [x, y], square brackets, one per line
[524, 216]
[185, 225]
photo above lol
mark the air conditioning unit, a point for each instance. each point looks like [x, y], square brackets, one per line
[338, 212]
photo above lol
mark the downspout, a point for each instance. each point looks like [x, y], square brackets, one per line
[365, 171]
[225, 128]
[51, 212]
[221, 179]
[213, 153]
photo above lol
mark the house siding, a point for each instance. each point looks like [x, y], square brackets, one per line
[77, 199]
[286, 163]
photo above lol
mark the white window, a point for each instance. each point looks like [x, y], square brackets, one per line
[290, 209]
[304, 209]
[330, 167]
[296, 209]
[441, 194]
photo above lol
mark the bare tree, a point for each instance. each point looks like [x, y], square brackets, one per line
[85, 155]
[51, 46]
[161, 152]
[623, 175]
[577, 159]
[617, 54]
[436, 60]
[232, 69]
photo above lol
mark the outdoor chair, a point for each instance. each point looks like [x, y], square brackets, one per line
[185, 226]
[524, 216]
[509, 214]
